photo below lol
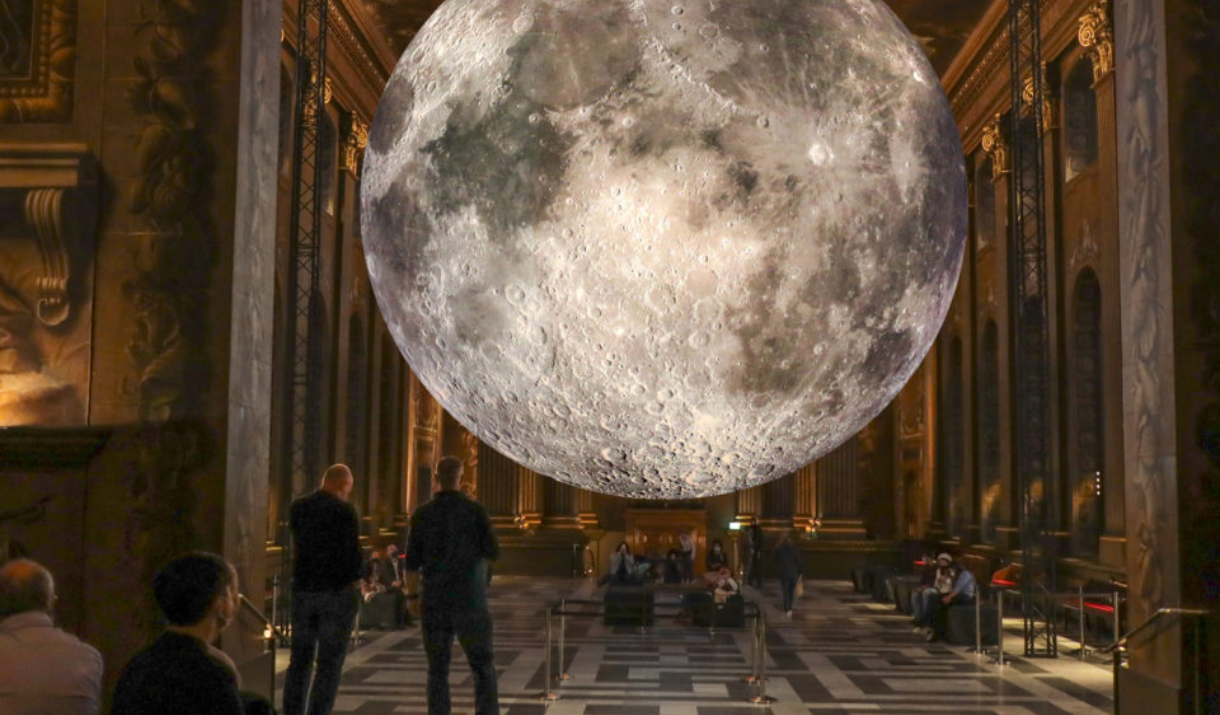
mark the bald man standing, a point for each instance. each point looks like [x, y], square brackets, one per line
[325, 591]
[43, 670]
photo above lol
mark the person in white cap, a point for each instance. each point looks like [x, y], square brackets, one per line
[941, 585]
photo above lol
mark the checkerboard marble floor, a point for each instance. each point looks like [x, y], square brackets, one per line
[840, 653]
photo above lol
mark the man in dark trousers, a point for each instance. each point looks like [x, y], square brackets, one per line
[325, 591]
[450, 544]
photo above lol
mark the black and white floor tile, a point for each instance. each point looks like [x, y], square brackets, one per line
[840, 654]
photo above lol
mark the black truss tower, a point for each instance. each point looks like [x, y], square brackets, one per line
[305, 233]
[1029, 299]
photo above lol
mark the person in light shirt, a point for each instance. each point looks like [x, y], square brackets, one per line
[43, 670]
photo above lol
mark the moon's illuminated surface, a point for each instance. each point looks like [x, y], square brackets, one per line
[664, 249]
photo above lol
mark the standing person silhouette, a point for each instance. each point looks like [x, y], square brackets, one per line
[326, 573]
[451, 544]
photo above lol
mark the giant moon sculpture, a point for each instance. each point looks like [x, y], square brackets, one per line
[664, 249]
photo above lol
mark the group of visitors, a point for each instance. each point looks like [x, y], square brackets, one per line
[45, 671]
[626, 568]
[944, 583]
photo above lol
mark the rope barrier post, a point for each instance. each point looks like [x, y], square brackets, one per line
[1117, 632]
[753, 676]
[978, 625]
[275, 602]
[999, 628]
[762, 698]
[546, 693]
[563, 648]
[1084, 651]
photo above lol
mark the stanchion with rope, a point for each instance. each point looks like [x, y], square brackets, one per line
[754, 648]
[547, 694]
[761, 698]
[563, 648]
[999, 627]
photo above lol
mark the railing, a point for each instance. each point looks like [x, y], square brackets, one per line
[1119, 649]
[270, 632]
[1056, 600]
[560, 609]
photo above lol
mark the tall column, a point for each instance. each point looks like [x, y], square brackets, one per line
[529, 498]
[838, 493]
[805, 504]
[498, 483]
[749, 504]
[1097, 34]
[1167, 75]
[585, 514]
[424, 444]
[178, 119]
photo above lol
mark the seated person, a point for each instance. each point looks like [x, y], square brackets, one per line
[382, 581]
[723, 585]
[937, 581]
[963, 594]
[622, 566]
[43, 670]
[370, 579]
[181, 671]
[716, 558]
[673, 567]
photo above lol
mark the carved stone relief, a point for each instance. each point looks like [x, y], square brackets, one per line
[48, 199]
[37, 60]
[1147, 327]
[173, 197]
[1097, 36]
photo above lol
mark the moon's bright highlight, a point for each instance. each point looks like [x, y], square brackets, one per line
[664, 249]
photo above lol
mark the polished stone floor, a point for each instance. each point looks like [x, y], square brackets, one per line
[840, 653]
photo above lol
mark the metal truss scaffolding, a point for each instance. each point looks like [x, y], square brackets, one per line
[305, 230]
[1029, 298]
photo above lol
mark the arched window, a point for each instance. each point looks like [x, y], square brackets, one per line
[355, 448]
[1080, 120]
[1088, 516]
[989, 433]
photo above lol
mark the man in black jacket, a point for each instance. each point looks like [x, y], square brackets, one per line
[450, 543]
[181, 671]
[325, 591]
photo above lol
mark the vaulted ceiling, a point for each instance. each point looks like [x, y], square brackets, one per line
[941, 26]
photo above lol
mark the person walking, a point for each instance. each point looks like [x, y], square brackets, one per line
[788, 564]
[451, 544]
[326, 573]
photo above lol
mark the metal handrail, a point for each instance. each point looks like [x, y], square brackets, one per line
[1122, 642]
[259, 614]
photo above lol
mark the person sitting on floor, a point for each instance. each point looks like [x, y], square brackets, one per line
[963, 594]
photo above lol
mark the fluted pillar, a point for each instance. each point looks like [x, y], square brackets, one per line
[805, 503]
[529, 498]
[838, 493]
[498, 487]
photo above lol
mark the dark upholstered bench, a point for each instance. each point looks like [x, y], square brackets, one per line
[627, 607]
[960, 625]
